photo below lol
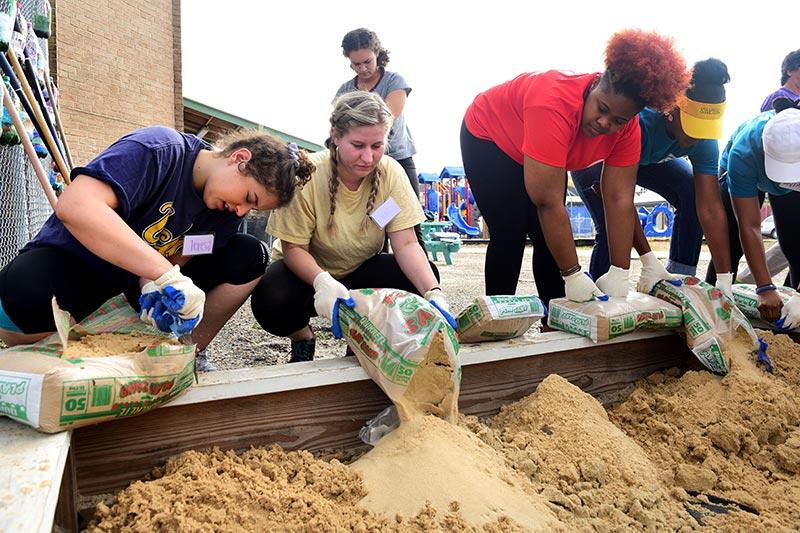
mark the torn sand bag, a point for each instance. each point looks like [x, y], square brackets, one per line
[407, 348]
[603, 320]
[710, 320]
[53, 386]
[747, 301]
[495, 318]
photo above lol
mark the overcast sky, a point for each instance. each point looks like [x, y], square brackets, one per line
[280, 63]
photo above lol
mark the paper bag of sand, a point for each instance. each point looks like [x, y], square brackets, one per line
[710, 320]
[494, 318]
[407, 348]
[747, 302]
[603, 320]
[110, 365]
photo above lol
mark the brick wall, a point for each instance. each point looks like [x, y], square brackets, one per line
[117, 66]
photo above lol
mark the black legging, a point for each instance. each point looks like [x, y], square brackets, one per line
[30, 280]
[786, 213]
[498, 183]
[282, 303]
[411, 171]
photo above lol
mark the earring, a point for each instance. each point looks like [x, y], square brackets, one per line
[242, 166]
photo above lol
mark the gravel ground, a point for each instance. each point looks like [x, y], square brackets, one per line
[242, 343]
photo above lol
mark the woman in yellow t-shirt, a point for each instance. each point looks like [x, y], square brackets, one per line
[331, 234]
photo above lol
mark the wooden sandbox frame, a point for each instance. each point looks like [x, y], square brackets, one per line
[322, 405]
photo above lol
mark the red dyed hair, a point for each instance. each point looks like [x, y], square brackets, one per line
[645, 65]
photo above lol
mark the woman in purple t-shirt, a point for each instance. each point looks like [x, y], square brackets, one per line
[157, 209]
[790, 81]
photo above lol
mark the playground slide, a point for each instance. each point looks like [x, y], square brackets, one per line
[454, 215]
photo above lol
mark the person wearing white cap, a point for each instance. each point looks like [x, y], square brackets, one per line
[763, 156]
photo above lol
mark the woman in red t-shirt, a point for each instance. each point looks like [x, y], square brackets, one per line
[520, 138]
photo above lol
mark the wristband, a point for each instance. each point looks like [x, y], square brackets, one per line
[571, 270]
[765, 288]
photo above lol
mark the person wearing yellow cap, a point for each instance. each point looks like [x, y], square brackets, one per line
[690, 130]
[763, 156]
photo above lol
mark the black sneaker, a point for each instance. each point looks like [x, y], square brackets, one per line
[302, 351]
[202, 364]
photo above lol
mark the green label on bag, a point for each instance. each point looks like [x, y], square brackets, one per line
[713, 358]
[14, 396]
[120, 396]
[470, 316]
[570, 321]
[515, 306]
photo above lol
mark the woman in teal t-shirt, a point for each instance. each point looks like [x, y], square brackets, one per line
[763, 156]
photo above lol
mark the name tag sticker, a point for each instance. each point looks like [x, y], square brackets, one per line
[198, 244]
[385, 212]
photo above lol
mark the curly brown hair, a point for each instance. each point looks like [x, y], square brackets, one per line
[276, 165]
[362, 38]
[646, 67]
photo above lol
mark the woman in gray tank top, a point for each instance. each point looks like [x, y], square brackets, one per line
[368, 59]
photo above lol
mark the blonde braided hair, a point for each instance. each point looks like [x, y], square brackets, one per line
[352, 110]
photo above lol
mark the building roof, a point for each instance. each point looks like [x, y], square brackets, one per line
[210, 124]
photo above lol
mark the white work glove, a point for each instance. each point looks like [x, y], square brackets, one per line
[724, 283]
[437, 299]
[327, 292]
[790, 314]
[614, 282]
[177, 293]
[653, 272]
[579, 287]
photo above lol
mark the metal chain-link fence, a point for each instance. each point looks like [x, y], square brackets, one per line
[23, 205]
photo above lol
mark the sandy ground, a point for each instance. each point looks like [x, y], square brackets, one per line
[242, 343]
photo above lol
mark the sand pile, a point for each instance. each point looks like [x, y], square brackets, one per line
[105, 344]
[259, 490]
[554, 460]
[429, 460]
[735, 436]
[598, 477]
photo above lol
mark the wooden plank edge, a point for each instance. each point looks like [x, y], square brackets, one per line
[54, 494]
[242, 382]
[31, 469]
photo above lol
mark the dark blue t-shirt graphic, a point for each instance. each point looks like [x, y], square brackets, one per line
[150, 171]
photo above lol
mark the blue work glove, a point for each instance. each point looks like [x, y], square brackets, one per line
[336, 328]
[790, 314]
[182, 295]
[437, 299]
[161, 310]
[172, 302]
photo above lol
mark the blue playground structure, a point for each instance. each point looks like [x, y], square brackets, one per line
[657, 222]
[450, 206]
[447, 197]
